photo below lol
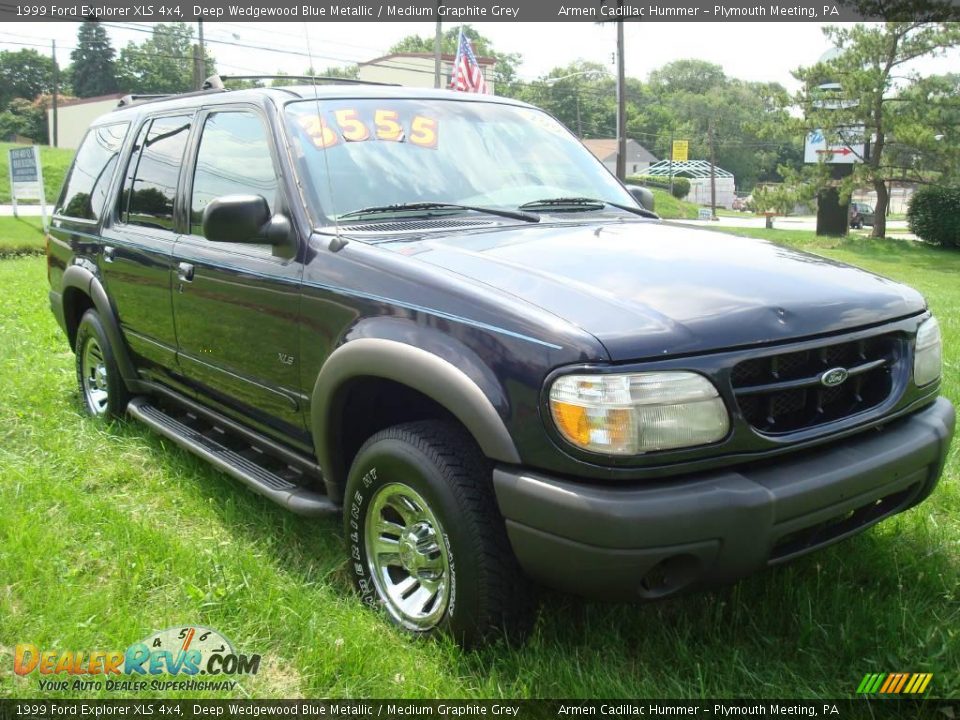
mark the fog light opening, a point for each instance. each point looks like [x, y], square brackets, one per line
[669, 576]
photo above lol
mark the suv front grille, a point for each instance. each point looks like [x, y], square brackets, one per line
[785, 393]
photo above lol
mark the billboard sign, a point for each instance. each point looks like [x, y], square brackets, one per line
[846, 147]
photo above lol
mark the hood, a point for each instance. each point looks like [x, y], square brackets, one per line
[648, 289]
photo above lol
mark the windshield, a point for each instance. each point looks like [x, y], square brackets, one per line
[369, 153]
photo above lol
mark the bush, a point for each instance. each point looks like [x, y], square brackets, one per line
[681, 186]
[934, 215]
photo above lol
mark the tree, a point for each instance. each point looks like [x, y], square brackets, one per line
[25, 119]
[161, 64]
[878, 93]
[93, 71]
[504, 72]
[687, 76]
[24, 74]
[581, 95]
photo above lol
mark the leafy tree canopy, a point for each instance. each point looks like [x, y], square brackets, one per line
[24, 74]
[163, 63]
[909, 121]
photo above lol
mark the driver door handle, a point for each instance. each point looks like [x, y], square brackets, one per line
[185, 272]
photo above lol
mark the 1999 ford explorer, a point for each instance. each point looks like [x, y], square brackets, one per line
[441, 316]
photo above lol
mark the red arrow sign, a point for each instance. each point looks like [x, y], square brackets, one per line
[837, 151]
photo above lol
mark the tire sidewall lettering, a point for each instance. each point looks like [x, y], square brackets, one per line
[358, 559]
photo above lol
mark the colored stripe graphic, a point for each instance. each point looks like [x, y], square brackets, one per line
[894, 683]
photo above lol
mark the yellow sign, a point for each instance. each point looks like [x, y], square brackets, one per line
[680, 150]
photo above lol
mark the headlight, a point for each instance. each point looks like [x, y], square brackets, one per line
[637, 413]
[928, 356]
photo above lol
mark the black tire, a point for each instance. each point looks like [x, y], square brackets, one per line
[102, 391]
[488, 593]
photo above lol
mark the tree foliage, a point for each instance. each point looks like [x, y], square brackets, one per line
[163, 63]
[896, 111]
[934, 215]
[24, 74]
[93, 71]
[680, 101]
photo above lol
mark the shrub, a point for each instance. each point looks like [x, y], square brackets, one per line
[934, 215]
[681, 186]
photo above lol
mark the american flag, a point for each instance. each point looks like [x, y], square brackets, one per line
[467, 75]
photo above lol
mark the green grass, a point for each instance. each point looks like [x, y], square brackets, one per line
[110, 532]
[669, 208]
[55, 162]
[21, 236]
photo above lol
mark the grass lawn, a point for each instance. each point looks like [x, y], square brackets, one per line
[109, 533]
[669, 208]
[21, 236]
[55, 162]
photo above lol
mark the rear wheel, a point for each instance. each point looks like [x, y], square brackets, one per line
[427, 541]
[101, 387]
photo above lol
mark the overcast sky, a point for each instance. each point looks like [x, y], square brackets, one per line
[750, 51]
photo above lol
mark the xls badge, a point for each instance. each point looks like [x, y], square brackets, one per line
[190, 650]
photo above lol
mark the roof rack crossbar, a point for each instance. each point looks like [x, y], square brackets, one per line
[139, 99]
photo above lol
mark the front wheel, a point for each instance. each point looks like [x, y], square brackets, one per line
[427, 541]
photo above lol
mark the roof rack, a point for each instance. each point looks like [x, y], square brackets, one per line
[214, 83]
[131, 99]
[134, 99]
[315, 79]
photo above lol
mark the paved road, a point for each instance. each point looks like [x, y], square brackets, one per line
[895, 228]
[22, 210]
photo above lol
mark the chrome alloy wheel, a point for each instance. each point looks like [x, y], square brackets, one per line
[407, 555]
[93, 370]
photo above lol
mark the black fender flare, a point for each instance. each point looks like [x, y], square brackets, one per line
[418, 369]
[79, 277]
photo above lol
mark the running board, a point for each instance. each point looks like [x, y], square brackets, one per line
[272, 485]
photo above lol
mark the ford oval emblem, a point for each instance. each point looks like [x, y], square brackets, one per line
[834, 376]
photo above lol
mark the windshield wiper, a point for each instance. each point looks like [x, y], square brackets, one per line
[586, 203]
[405, 207]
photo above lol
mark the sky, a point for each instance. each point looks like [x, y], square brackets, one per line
[748, 51]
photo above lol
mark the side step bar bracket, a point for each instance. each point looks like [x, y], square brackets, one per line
[293, 497]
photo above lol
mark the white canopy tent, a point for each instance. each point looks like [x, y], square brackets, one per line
[698, 173]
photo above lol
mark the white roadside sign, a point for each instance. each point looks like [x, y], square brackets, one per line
[846, 149]
[26, 177]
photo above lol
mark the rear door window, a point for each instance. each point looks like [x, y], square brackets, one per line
[85, 191]
[150, 187]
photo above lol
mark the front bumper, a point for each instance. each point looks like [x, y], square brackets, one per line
[653, 541]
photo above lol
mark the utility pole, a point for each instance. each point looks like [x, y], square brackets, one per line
[713, 175]
[671, 160]
[54, 98]
[203, 50]
[437, 38]
[579, 122]
[621, 103]
[199, 61]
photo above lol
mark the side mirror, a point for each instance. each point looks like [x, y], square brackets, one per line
[236, 219]
[642, 195]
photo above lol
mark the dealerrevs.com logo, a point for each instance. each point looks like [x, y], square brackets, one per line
[189, 651]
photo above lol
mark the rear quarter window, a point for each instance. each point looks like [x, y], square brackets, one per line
[85, 190]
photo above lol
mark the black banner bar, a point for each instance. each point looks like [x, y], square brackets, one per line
[488, 709]
[481, 10]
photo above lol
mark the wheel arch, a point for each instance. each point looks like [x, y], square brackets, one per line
[430, 376]
[82, 290]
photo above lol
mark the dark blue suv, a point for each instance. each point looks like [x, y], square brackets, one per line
[438, 314]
